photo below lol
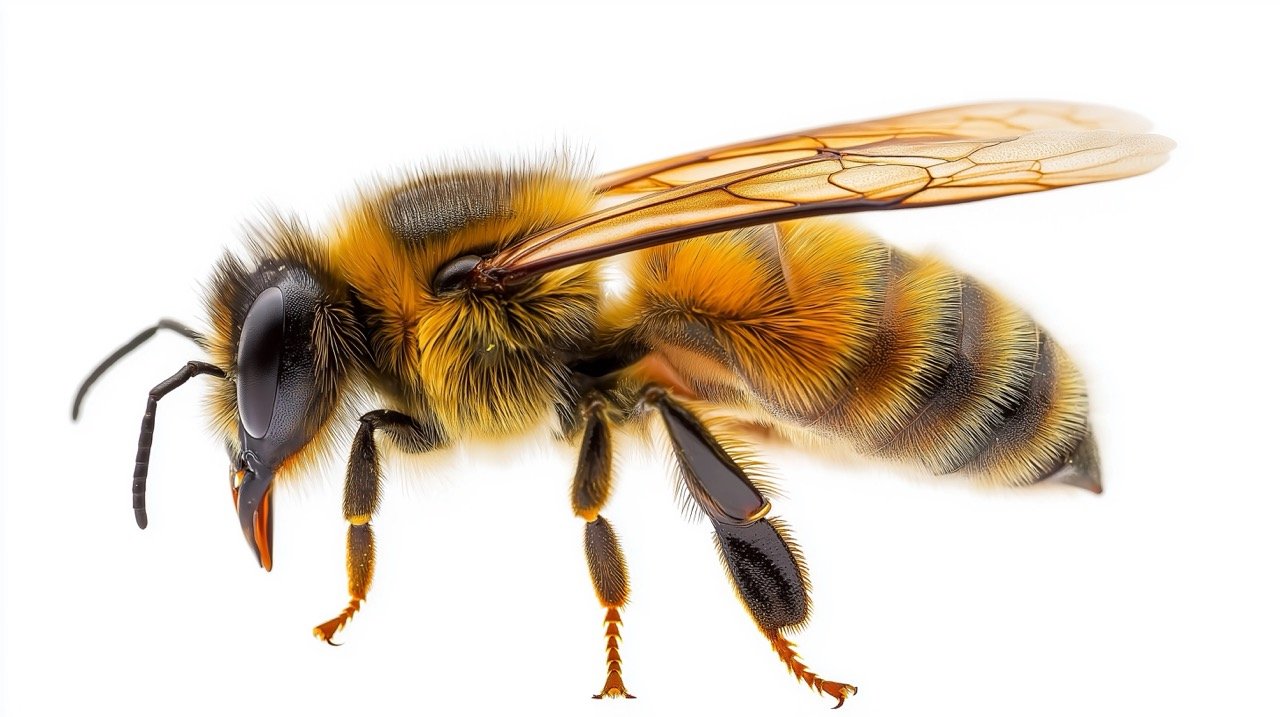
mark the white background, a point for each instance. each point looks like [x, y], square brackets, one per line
[136, 139]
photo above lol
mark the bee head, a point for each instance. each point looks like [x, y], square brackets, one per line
[285, 333]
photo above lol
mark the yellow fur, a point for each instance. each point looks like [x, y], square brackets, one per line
[791, 308]
[826, 334]
[476, 362]
[915, 342]
[1058, 432]
[813, 327]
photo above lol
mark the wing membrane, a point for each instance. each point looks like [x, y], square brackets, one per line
[921, 167]
[980, 121]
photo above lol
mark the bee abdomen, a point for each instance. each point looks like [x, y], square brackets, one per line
[960, 380]
[1035, 436]
[837, 334]
[1011, 406]
[950, 427]
[988, 373]
[919, 329]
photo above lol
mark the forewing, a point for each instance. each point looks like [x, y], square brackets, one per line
[888, 174]
[979, 121]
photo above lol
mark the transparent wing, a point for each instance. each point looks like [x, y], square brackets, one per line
[904, 171]
[979, 121]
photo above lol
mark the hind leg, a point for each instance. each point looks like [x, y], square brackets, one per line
[763, 562]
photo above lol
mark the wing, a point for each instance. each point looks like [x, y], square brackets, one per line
[981, 121]
[922, 167]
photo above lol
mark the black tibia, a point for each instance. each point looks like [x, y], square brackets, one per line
[768, 575]
[719, 486]
[595, 462]
[363, 488]
[605, 561]
[135, 342]
[143, 460]
[362, 493]
[364, 485]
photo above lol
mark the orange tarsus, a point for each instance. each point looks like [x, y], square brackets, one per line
[787, 653]
[613, 686]
[325, 631]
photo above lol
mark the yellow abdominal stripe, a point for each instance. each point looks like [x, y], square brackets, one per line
[837, 334]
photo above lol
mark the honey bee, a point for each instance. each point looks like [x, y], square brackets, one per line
[470, 304]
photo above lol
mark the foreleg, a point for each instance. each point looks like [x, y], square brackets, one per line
[361, 495]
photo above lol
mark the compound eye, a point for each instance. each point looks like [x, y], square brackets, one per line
[258, 362]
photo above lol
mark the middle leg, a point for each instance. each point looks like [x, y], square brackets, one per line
[608, 567]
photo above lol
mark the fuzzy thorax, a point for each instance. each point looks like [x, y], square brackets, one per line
[483, 365]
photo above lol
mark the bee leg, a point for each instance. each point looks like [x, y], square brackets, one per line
[766, 568]
[360, 498]
[604, 556]
[762, 561]
[609, 574]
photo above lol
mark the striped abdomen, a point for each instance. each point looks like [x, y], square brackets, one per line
[833, 332]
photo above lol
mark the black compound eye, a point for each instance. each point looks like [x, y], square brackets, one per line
[453, 274]
[258, 362]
